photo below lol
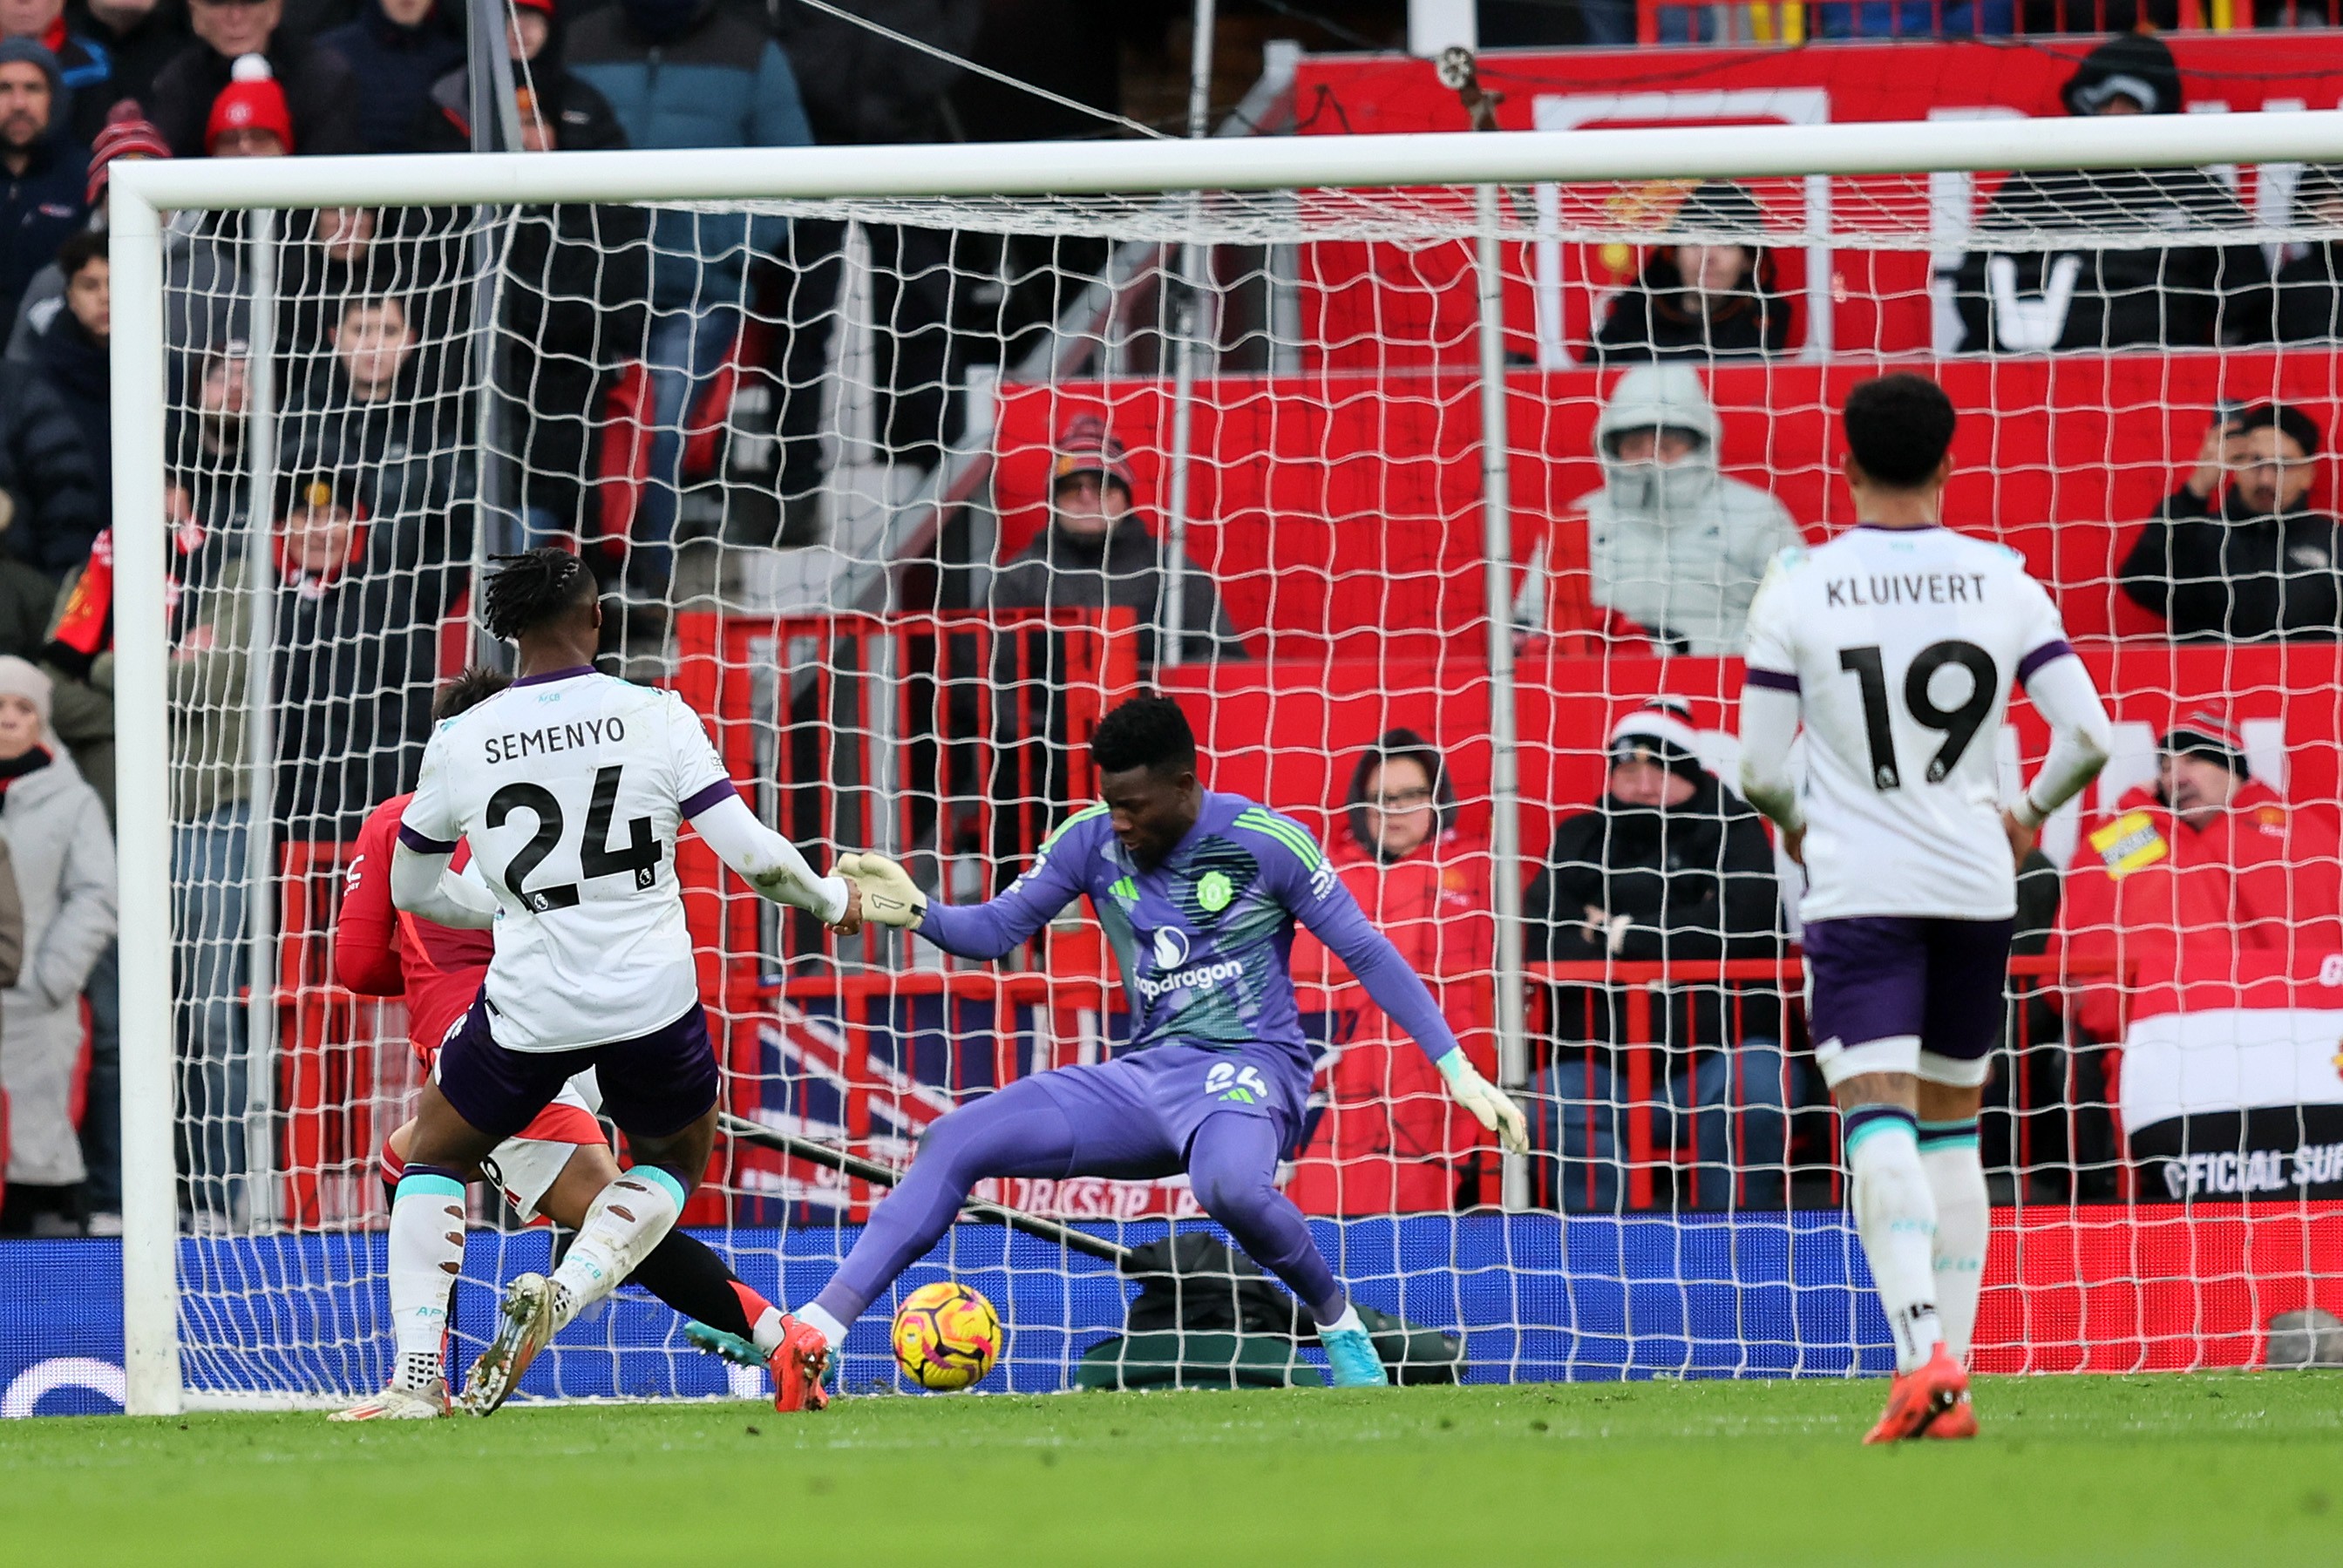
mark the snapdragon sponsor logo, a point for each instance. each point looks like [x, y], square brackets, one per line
[1170, 949]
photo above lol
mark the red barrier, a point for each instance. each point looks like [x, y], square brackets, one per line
[2154, 1288]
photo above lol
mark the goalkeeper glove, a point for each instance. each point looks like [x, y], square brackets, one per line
[1487, 1102]
[889, 897]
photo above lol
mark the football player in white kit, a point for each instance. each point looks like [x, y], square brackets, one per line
[1896, 645]
[570, 787]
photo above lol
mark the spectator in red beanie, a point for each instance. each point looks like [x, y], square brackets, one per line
[249, 119]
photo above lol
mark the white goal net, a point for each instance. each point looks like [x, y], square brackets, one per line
[903, 493]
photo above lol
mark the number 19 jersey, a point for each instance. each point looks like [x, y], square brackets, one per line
[1903, 646]
[571, 788]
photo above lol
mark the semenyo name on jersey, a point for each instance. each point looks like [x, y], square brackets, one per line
[511, 746]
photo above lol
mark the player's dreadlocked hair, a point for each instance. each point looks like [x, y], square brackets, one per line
[533, 588]
[1898, 428]
[1146, 733]
[468, 691]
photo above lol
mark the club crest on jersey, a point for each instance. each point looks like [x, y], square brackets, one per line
[1245, 1085]
[1214, 890]
[1171, 947]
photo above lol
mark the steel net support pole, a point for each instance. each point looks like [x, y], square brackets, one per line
[262, 1020]
[1504, 767]
[150, 1216]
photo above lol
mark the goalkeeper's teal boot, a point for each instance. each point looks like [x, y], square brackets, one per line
[732, 1347]
[1351, 1353]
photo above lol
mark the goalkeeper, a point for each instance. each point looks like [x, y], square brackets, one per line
[1199, 892]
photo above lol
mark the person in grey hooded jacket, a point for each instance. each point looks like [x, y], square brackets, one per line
[1674, 548]
[63, 858]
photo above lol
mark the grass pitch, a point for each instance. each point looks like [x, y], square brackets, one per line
[2206, 1468]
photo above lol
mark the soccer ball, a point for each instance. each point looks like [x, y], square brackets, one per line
[946, 1336]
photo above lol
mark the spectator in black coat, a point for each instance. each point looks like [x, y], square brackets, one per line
[359, 603]
[2310, 286]
[578, 117]
[2248, 563]
[45, 469]
[321, 94]
[71, 356]
[1670, 866]
[43, 200]
[139, 37]
[398, 48]
[85, 68]
[2176, 296]
[1705, 298]
[368, 413]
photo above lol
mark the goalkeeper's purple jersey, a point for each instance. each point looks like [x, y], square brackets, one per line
[1204, 937]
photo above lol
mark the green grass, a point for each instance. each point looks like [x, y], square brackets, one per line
[2198, 1470]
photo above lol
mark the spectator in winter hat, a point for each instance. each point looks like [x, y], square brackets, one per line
[249, 119]
[85, 69]
[2236, 554]
[1669, 866]
[43, 200]
[320, 92]
[1098, 552]
[126, 135]
[63, 858]
[1706, 293]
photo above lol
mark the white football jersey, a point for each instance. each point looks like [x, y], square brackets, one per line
[570, 789]
[1903, 646]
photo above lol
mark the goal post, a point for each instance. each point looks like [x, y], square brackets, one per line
[947, 732]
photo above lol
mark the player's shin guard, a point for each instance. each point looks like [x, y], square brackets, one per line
[1948, 1153]
[1895, 1215]
[625, 1221]
[427, 1252]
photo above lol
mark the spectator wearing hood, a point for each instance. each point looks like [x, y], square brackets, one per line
[1387, 1141]
[686, 75]
[369, 412]
[1705, 294]
[63, 856]
[577, 116]
[44, 199]
[83, 67]
[1098, 552]
[2163, 297]
[1669, 867]
[320, 94]
[2235, 555]
[397, 49]
[139, 38]
[2195, 871]
[1674, 548]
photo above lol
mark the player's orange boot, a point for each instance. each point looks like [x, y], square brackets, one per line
[799, 1363]
[1919, 1398]
[1955, 1424]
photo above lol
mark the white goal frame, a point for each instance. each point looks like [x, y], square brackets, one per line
[142, 192]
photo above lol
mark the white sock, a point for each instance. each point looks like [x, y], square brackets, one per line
[1349, 1320]
[767, 1329]
[426, 1252]
[624, 1222]
[832, 1332]
[1948, 1153]
[1895, 1215]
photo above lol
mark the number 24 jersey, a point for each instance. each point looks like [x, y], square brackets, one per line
[570, 789]
[1903, 646]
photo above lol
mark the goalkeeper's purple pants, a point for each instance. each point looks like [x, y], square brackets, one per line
[1111, 1121]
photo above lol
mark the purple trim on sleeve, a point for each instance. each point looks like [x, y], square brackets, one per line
[423, 846]
[716, 794]
[1772, 679]
[550, 676]
[2058, 648]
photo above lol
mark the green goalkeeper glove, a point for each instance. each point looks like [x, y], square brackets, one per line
[1487, 1102]
[889, 897]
